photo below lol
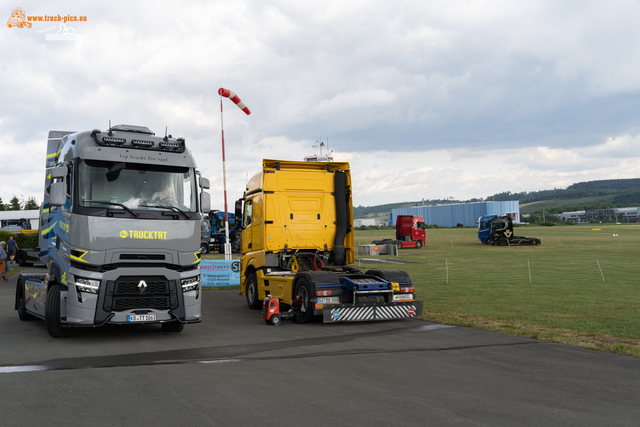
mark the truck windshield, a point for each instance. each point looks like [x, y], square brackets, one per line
[136, 186]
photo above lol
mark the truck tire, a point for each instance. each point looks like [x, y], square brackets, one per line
[22, 262]
[174, 326]
[398, 244]
[205, 248]
[21, 304]
[304, 288]
[52, 313]
[251, 289]
[419, 244]
[503, 242]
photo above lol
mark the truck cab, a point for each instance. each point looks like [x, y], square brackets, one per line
[411, 231]
[119, 232]
[298, 241]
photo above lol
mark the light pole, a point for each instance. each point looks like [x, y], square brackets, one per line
[226, 93]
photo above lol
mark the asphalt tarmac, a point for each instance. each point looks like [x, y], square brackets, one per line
[234, 369]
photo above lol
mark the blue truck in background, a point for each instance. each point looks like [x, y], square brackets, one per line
[213, 232]
[497, 230]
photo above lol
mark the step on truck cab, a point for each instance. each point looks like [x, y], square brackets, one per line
[298, 241]
[119, 232]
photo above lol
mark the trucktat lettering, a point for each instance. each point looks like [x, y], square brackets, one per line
[119, 227]
[297, 243]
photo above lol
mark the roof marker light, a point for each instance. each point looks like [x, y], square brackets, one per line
[119, 141]
[142, 143]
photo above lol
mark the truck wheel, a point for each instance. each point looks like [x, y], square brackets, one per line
[398, 244]
[52, 313]
[251, 290]
[304, 288]
[21, 304]
[419, 244]
[503, 242]
[22, 262]
[174, 326]
[205, 248]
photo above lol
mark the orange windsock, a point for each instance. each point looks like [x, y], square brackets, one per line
[235, 98]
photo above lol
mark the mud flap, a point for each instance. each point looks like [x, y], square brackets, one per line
[366, 313]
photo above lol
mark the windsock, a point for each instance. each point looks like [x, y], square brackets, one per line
[235, 98]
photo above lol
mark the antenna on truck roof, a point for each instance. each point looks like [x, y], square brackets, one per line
[165, 133]
[110, 133]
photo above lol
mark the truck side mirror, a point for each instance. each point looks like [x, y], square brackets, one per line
[57, 194]
[59, 172]
[238, 213]
[204, 183]
[205, 202]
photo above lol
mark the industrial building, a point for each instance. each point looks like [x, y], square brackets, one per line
[629, 214]
[463, 213]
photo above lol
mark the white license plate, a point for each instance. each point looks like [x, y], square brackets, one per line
[328, 300]
[141, 318]
[403, 297]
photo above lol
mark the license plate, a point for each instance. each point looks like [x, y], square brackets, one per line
[403, 297]
[141, 318]
[328, 300]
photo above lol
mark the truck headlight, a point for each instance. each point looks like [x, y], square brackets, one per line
[191, 283]
[87, 285]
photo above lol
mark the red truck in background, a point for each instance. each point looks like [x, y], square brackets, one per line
[410, 233]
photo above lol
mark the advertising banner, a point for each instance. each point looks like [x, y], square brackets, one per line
[220, 273]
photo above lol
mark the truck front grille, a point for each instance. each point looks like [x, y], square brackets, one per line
[139, 292]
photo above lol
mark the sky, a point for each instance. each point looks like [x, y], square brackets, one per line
[425, 99]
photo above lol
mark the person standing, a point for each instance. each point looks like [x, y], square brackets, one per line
[12, 247]
[3, 259]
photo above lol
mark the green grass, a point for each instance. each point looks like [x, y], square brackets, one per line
[580, 287]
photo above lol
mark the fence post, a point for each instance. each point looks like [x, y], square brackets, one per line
[446, 263]
[600, 270]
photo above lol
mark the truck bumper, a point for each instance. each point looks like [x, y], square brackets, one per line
[365, 312]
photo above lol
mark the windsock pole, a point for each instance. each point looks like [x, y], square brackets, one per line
[226, 93]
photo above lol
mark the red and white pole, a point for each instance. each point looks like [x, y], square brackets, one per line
[226, 93]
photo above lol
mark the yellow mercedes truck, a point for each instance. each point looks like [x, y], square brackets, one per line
[298, 241]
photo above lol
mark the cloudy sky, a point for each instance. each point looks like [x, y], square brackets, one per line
[425, 99]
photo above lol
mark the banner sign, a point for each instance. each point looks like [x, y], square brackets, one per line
[220, 273]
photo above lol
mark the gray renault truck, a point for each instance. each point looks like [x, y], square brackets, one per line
[119, 233]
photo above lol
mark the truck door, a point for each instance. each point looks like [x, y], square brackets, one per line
[252, 221]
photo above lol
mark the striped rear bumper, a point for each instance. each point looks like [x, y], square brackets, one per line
[362, 313]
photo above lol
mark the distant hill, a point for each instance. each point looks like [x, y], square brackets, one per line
[603, 194]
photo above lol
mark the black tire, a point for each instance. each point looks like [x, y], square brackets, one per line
[306, 310]
[419, 244]
[398, 244]
[251, 289]
[300, 317]
[503, 242]
[275, 320]
[205, 248]
[174, 326]
[22, 262]
[21, 304]
[52, 312]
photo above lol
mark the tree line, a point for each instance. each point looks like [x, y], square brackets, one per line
[15, 204]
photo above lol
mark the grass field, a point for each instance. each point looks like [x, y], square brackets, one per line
[581, 287]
